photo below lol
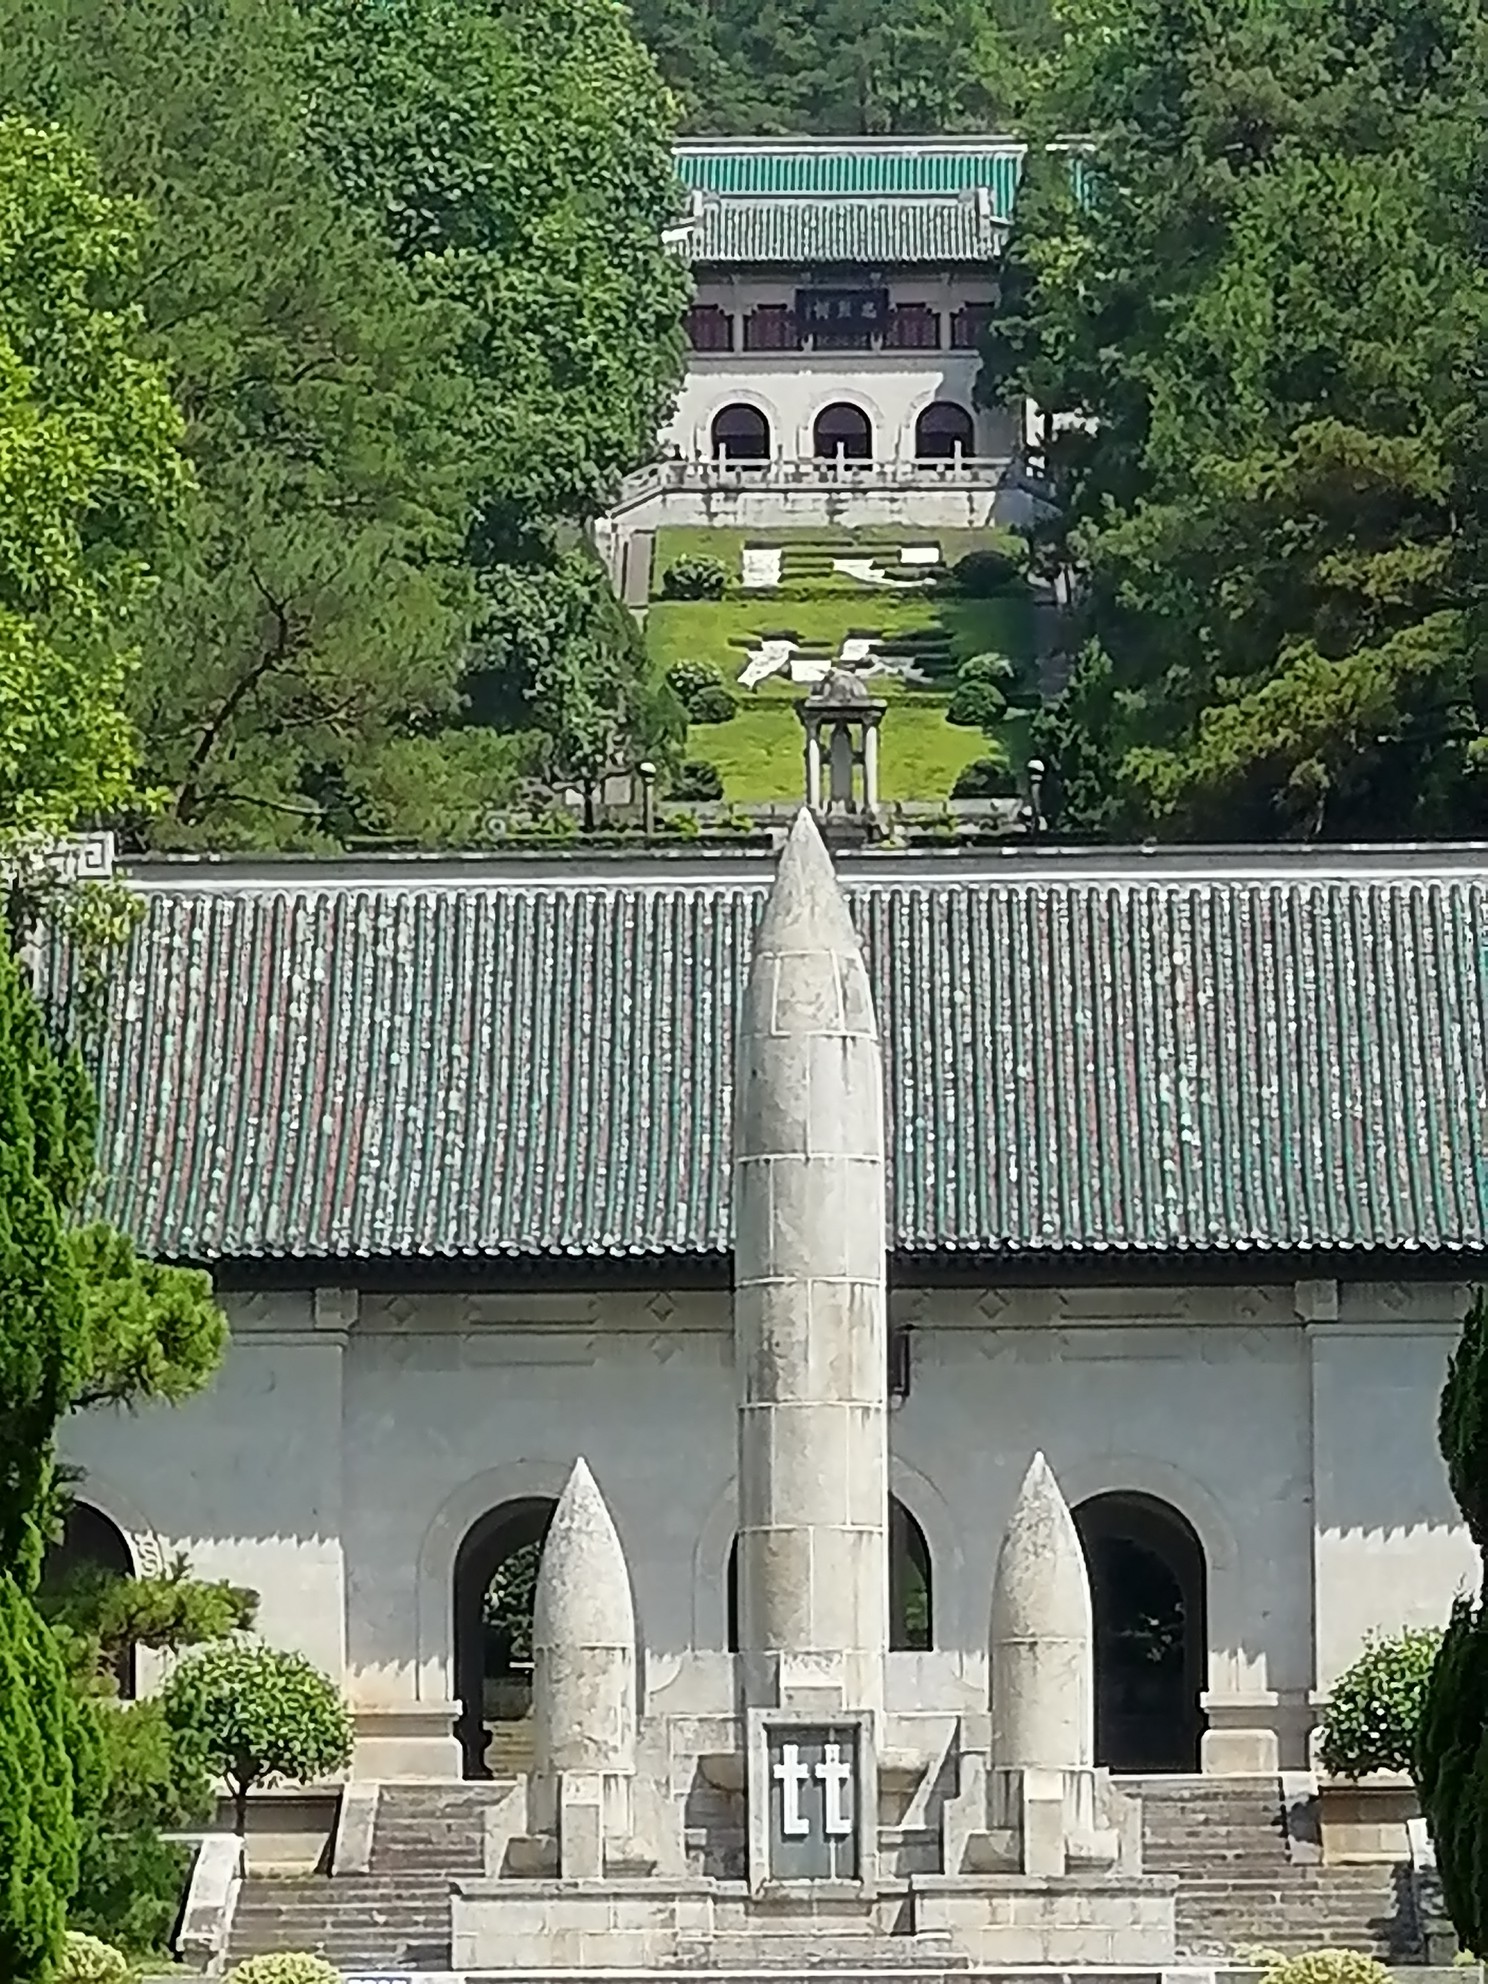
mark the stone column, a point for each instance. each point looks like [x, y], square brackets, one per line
[870, 767]
[810, 1328]
[813, 765]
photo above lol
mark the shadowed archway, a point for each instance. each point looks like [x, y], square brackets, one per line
[92, 1541]
[494, 1585]
[842, 433]
[740, 434]
[1148, 1584]
[943, 431]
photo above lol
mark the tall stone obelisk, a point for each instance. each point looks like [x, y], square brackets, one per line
[810, 1327]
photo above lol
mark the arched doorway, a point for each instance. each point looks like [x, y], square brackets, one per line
[92, 1542]
[944, 431]
[495, 1582]
[843, 433]
[1148, 1587]
[911, 1592]
[740, 434]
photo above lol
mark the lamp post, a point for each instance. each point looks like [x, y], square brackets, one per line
[647, 773]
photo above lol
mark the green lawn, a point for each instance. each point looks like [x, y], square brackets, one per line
[759, 751]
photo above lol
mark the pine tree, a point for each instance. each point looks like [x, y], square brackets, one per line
[1452, 1745]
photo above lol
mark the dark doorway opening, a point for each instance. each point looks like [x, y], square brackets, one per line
[911, 1593]
[495, 1583]
[943, 431]
[843, 433]
[1148, 1588]
[741, 434]
[90, 1541]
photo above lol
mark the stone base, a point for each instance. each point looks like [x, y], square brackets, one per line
[991, 1921]
[412, 1743]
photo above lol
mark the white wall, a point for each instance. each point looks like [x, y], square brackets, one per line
[1301, 1447]
[791, 388]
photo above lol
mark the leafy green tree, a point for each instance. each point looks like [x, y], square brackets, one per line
[316, 608]
[543, 232]
[130, 1877]
[262, 1715]
[1269, 313]
[49, 1771]
[154, 1333]
[90, 476]
[1451, 1760]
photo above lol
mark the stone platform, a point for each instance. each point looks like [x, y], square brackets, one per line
[937, 1922]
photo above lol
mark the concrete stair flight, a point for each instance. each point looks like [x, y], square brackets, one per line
[1223, 1837]
[395, 1915]
[1225, 1840]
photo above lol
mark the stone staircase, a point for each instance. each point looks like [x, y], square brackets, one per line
[395, 1915]
[1226, 1842]
[1223, 1838]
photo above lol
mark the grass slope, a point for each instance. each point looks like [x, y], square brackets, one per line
[759, 751]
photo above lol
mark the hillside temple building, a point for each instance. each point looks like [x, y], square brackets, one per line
[1188, 1185]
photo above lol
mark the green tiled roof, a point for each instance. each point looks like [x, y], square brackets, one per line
[858, 230]
[914, 167]
[1074, 1065]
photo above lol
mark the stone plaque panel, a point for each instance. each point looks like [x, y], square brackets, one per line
[813, 1797]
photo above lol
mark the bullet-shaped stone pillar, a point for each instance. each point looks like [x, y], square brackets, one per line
[810, 1333]
[1043, 1681]
[583, 1684]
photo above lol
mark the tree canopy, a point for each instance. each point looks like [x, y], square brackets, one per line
[1267, 314]
[90, 476]
[402, 267]
[842, 67]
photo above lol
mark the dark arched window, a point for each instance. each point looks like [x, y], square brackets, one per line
[943, 431]
[90, 1540]
[1148, 1590]
[495, 1584]
[843, 433]
[741, 434]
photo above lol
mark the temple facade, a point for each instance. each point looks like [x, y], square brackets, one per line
[1185, 1158]
[843, 289]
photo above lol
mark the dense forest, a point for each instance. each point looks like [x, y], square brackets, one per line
[834, 67]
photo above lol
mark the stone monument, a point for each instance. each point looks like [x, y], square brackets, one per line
[803, 1801]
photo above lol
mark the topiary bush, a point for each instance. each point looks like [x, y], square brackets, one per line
[977, 702]
[1374, 1714]
[698, 780]
[694, 578]
[991, 777]
[284, 1967]
[1327, 1967]
[985, 574]
[86, 1960]
[713, 705]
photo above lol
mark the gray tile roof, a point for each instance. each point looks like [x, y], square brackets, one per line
[1075, 1065]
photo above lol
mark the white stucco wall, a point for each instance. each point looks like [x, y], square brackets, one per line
[373, 1433]
[792, 387]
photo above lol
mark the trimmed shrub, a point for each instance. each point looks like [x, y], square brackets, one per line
[694, 578]
[697, 779]
[284, 1967]
[713, 705]
[1375, 1710]
[1328, 1967]
[86, 1960]
[985, 574]
[992, 667]
[986, 778]
[976, 703]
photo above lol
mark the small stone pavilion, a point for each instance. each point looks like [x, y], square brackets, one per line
[501, 1163]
